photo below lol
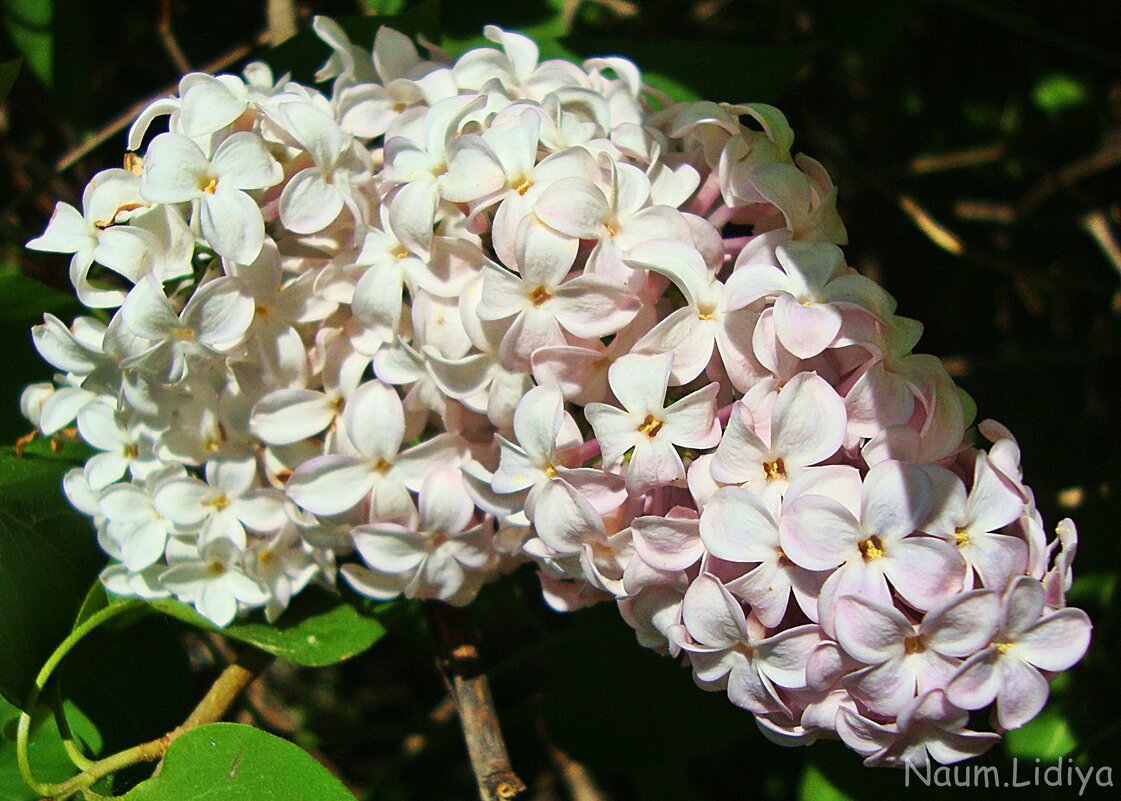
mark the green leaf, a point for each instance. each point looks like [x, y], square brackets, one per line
[48, 557]
[1057, 93]
[232, 762]
[1048, 737]
[318, 629]
[24, 299]
[29, 25]
[815, 786]
[48, 758]
[9, 71]
[687, 70]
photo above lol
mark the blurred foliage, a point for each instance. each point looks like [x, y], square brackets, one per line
[976, 144]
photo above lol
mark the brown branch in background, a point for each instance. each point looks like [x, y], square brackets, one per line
[1097, 225]
[957, 159]
[281, 15]
[457, 655]
[1109, 155]
[935, 231]
[125, 118]
[167, 37]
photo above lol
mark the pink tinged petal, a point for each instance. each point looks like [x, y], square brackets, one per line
[654, 462]
[855, 577]
[691, 422]
[143, 545]
[862, 735]
[537, 420]
[924, 570]
[369, 583]
[749, 282]
[232, 224]
[871, 632]
[826, 664]
[533, 329]
[805, 330]
[220, 312]
[640, 381]
[818, 533]
[878, 400]
[390, 549]
[1023, 692]
[677, 261]
[147, 311]
[736, 526]
[590, 307]
[836, 481]
[309, 203]
[328, 485]
[782, 658]
[1023, 605]
[516, 469]
[749, 690]
[808, 421]
[175, 170]
[949, 747]
[885, 688]
[460, 378]
[666, 543]
[614, 429]
[207, 106]
[445, 506]
[604, 491]
[962, 625]
[290, 415]
[544, 256]
[1057, 641]
[243, 162]
[375, 421]
[897, 498]
[687, 338]
[413, 465]
[712, 615]
[767, 589]
[740, 455]
[504, 294]
[977, 681]
[575, 207]
[474, 171]
[563, 519]
[992, 503]
[184, 501]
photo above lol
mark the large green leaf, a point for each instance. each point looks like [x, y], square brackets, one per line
[231, 762]
[45, 750]
[9, 71]
[48, 557]
[1048, 737]
[25, 299]
[29, 25]
[318, 629]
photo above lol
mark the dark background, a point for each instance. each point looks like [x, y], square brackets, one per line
[977, 147]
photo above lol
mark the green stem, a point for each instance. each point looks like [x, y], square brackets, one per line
[72, 744]
[24, 731]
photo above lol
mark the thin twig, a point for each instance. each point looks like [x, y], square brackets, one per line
[1097, 225]
[167, 37]
[957, 159]
[1109, 155]
[935, 231]
[125, 118]
[212, 708]
[457, 655]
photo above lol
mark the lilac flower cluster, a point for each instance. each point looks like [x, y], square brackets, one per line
[453, 316]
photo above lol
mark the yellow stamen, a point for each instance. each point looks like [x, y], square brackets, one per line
[210, 187]
[215, 568]
[913, 645]
[872, 549]
[650, 426]
[1002, 646]
[184, 334]
[522, 186]
[131, 451]
[539, 295]
[706, 312]
[550, 471]
[381, 466]
[775, 469]
[400, 252]
[961, 537]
